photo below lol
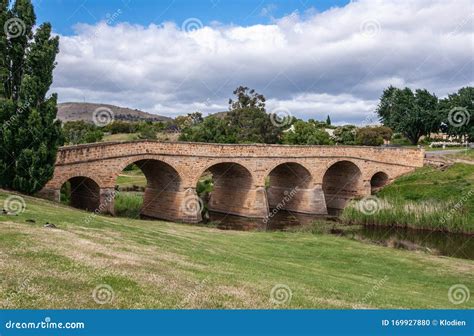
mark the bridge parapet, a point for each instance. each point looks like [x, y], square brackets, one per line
[99, 151]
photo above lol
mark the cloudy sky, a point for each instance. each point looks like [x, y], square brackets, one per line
[312, 58]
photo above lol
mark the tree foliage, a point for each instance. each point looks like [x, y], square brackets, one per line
[369, 136]
[345, 135]
[306, 133]
[247, 98]
[458, 113]
[413, 114]
[246, 122]
[328, 120]
[30, 134]
[80, 132]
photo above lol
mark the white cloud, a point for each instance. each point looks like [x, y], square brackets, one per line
[335, 62]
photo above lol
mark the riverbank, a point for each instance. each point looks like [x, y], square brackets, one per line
[155, 264]
[429, 199]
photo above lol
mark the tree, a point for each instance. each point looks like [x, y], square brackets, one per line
[246, 122]
[189, 120]
[328, 120]
[458, 113]
[80, 131]
[252, 125]
[247, 98]
[30, 134]
[306, 133]
[412, 114]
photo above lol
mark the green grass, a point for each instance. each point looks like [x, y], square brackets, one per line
[129, 179]
[155, 264]
[464, 155]
[120, 137]
[128, 204]
[428, 198]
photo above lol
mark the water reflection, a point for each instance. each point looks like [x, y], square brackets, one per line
[447, 244]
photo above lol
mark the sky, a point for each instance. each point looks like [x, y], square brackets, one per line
[309, 58]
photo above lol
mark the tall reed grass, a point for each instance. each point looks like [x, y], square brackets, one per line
[431, 215]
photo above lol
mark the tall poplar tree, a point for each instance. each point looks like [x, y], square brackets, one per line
[29, 134]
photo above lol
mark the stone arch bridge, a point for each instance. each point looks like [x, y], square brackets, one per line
[249, 180]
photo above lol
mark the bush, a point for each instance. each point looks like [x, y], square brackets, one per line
[345, 135]
[369, 136]
[117, 126]
[400, 139]
[147, 131]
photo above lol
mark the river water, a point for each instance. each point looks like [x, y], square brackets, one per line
[447, 244]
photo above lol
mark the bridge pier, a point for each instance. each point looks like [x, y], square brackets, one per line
[302, 200]
[107, 200]
[180, 206]
[240, 201]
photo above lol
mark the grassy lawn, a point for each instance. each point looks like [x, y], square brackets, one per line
[429, 149]
[120, 137]
[128, 179]
[154, 264]
[160, 136]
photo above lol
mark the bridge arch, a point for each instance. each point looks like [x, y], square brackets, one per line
[378, 180]
[163, 182]
[81, 192]
[232, 188]
[285, 184]
[342, 181]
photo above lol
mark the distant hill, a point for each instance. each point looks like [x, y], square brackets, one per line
[84, 111]
[220, 115]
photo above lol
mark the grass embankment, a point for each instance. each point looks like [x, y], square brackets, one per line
[153, 264]
[467, 155]
[428, 198]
